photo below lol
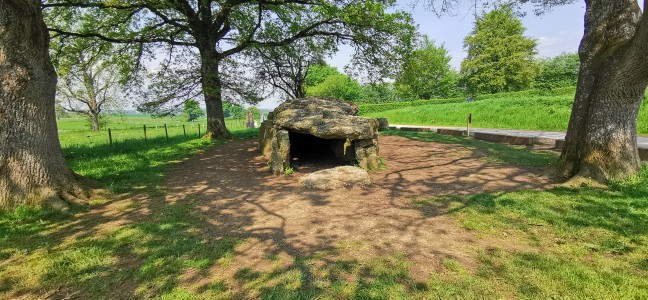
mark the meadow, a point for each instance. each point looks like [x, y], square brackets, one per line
[527, 110]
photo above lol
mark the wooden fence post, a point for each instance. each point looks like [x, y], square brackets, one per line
[184, 131]
[199, 135]
[145, 138]
[469, 123]
[110, 137]
[166, 132]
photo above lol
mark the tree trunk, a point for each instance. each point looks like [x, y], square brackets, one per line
[94, 119]
[211, 86]
[601, 142]
[32, 168]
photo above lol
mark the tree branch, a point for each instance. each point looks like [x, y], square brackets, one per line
[122, 41]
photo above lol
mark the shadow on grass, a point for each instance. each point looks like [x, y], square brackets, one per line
[496, 152]
[82, 253]
[613, 220]
[142, 258]
[177, 248]
[136, 164]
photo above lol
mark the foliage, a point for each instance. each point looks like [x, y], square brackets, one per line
[233, 110]
[426, 73]
[337, 86]
[192, 110]
[289, 171]
[285, 68]
[91, 77]
[204, 45]
[318, 73]
[378, 93]
[500, 58]
[256, 112]
[557, 72]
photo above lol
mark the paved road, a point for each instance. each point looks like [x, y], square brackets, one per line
[642, 142]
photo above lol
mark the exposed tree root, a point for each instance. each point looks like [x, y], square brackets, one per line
[76, 194]
[579, 181]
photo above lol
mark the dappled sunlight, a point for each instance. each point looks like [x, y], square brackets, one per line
[277, 217]
[438, 217]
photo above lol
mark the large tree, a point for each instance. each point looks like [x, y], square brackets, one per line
[215, 30]
[286, 68]
[601, 140]
[426, 73]
[91, 78]
[32, 168]
[500, 58]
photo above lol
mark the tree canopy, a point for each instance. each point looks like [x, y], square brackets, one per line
[559, 71]
[92, 77]
[500, 58]
[200, 39]
[426, 73]
[339, 86]
[192, 110]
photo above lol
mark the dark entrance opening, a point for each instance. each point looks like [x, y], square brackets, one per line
[306, 149]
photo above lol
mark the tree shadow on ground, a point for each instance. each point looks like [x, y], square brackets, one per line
[226, 228]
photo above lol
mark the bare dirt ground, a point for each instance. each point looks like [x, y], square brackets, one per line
[237, 196]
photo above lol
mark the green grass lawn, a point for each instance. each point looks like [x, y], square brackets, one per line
[75, 130]
[532, 112]
[569, 243]
[576, 243]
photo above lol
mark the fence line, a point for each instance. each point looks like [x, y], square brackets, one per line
[158, 133]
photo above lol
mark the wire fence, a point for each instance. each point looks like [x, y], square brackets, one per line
[116, 133]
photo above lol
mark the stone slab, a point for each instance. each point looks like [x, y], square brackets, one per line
[453, 132]
[506, 139]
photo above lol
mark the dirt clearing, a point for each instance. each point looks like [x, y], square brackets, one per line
[283, 223]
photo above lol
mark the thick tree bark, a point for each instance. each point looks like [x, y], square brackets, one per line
[601, 141]
[32, 168]
[212, 91]
[94, 119]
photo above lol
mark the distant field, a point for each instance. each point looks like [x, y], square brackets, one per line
[516, 111]
[76, 131]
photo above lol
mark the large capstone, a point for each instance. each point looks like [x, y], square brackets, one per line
[315, 127]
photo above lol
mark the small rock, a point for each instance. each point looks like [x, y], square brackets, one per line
[339, 177]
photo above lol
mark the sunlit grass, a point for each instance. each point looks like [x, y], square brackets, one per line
[568, 243]
[550, 113]
[493, 152]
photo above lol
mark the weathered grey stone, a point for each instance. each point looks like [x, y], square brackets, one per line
[351, 137]
[383, 124]
[367, 154]
[339, 177]
[324, 118]
[280, 157]
[266, 132]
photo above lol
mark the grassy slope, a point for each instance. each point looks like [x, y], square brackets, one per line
[549, 113]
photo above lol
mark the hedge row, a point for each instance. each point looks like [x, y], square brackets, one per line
[380, 107]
